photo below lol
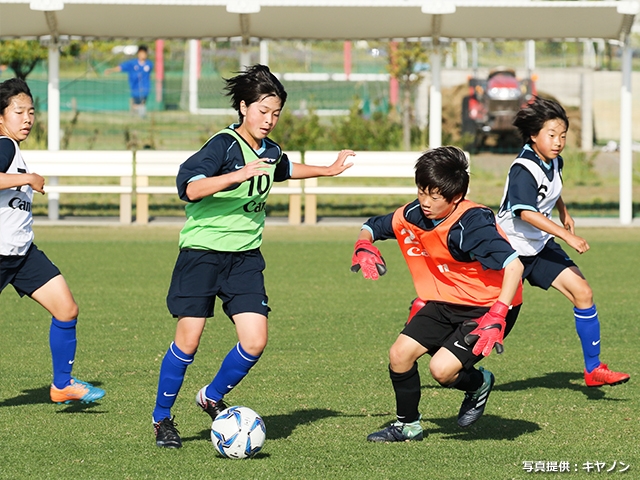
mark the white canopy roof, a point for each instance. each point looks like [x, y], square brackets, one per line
[312, 19]
[333, 20]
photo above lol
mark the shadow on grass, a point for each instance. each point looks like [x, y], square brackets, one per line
[573, 381]
[281, 426]
[559, 381]
[489, 427]
[35, 396]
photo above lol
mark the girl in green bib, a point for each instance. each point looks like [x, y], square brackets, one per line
[226, 185]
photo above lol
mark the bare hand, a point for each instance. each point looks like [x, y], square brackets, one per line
[579, 244]
[36, 182]
[339, 165]
[254, 169]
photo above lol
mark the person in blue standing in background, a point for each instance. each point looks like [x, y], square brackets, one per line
[139, 71]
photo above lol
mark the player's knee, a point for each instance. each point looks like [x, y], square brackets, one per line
[188, 345]
[254, 346]
[398, 359]
[67, 312]
[441, 373]
[583, 296]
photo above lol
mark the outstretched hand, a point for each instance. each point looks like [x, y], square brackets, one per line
[339, 166]
[368, 258]
[489, 330]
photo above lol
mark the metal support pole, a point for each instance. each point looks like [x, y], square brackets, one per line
[53, 123]
[626, 158]
[435, 100]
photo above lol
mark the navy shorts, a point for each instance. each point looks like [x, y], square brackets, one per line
[542, 269]
[439, 325]
[138, 100]
[27, 273]
[202, 275]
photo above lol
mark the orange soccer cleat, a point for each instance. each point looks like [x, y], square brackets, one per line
[77, 390]
[601, 375]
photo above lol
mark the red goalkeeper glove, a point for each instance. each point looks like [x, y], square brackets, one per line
[416, 306]
[488, 331]
[368, 257]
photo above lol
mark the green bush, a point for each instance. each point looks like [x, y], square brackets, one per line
[355, 131]
[378, 132]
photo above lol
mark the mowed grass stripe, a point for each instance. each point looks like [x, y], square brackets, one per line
[322, 384]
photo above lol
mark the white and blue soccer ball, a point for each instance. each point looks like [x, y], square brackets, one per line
[238, 432]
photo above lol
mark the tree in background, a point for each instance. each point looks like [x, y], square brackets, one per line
[22, 56]
[404, 57]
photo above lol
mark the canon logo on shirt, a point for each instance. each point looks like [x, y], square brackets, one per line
[19, 204]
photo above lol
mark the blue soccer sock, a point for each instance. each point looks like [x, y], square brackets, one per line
[172, 371]
[62, 341]
[588, 328]
[234, 368]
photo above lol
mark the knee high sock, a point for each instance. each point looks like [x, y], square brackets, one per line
[469, 380]
[172, 371]
[407, 389]
[62, 342]
[588, 328]
[234, 368]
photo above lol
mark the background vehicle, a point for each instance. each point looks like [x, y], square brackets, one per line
[489, 108]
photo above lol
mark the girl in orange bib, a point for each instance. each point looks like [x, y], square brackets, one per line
[467, 277]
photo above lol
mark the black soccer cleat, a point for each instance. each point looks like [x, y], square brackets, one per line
[398, 432]
[167, 435]
[474, 403]
[209, 406]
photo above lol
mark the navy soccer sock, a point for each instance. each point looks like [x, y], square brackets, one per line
[234, 368]
[172, 371]
[468, 380]
[588, 328]
[62, 341]
[407, 389]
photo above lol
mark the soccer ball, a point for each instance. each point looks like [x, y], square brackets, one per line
[238, 432]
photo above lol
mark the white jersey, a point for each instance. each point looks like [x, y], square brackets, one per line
[526, 239]
[16, 234]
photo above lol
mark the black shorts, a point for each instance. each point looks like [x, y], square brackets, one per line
[542, 269]
[440, 325]
[202, 275]
[27, 273]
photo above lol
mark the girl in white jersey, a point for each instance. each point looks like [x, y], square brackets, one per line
[22, 265]
[532, 190]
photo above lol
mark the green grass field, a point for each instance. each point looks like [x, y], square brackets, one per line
[322, 384]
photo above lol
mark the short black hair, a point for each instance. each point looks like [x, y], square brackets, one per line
[255, 83]
[444, 170]
[9, 89]
[530, 119]
[143, 48]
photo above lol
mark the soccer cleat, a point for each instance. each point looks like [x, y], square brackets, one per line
[209, 406]
[601, 375]
[77, 390]
[167, 435]
[473, 404]
[398, 432]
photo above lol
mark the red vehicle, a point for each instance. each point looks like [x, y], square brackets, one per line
[490, 106]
